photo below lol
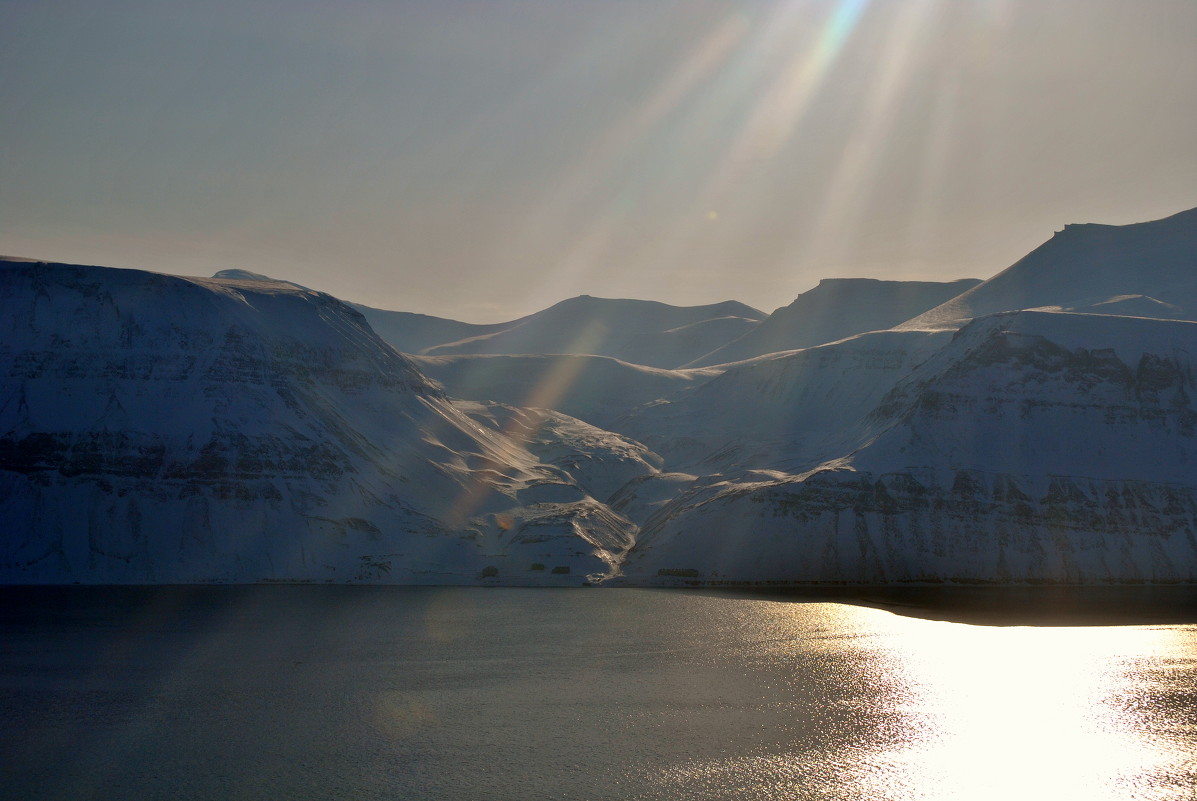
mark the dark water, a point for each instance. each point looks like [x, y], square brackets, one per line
[411, 693]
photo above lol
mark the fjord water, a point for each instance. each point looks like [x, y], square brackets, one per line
[455, 693]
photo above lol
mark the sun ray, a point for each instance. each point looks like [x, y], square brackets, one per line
[592, 169]
[769, 124]
[783, 105]
[865, 150]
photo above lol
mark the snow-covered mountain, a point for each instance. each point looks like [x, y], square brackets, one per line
[790, 412]
[835, 309]
[976, 443]
[637, 331]
[1031, 447]
[642, 332]
[162, 429]
[1038, 427]
[1142, 270]
[598, 461]
[597, 389]
[415, 333]
[407, 332]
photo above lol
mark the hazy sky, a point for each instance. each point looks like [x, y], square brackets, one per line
[481, 160]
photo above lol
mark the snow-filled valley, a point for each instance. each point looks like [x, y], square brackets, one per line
[1035, 427]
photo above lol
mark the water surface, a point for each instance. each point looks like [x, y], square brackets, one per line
[385, 692]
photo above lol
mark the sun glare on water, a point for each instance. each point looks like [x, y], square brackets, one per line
[933, 710]
[1026, 712]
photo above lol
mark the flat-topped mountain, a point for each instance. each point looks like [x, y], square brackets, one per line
[1030, 447]
[1146, 269]
[164, 429]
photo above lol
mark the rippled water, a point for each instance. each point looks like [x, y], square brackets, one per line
[364, 692]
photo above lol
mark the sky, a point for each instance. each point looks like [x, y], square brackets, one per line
[483, 159]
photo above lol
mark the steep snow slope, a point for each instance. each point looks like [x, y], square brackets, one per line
[790, 412]
[835, 309]
[246, 275]
[1056, 393]
[161, 429]
[404, 331]
[597, 389]
[415, 333]
[1032, 447]
[677, 346]
[1145, 269]
[599, 462]
[638, 331]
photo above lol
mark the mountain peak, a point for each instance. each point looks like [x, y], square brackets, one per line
[241, 275]
[1084, 266]
[831, 282]
[837, 308]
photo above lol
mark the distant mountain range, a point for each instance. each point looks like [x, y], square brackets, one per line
[1036, 427]
[639, 331]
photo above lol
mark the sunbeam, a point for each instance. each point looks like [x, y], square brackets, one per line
[782, 105]
[590, 174]
[865, 152]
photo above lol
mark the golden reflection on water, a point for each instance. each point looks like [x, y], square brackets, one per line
[1023, 712]
[934, 710]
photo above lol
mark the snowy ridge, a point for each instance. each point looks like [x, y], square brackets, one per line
[599, 462]
[1033, 447]
[1144, 269]
[837, 308]
[639, 331]
[160, 429]
[791, 411]
[415, 333]
[404, 331]
[597, 389]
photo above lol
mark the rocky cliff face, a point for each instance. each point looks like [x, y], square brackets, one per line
[159, 429]
[966, 526]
